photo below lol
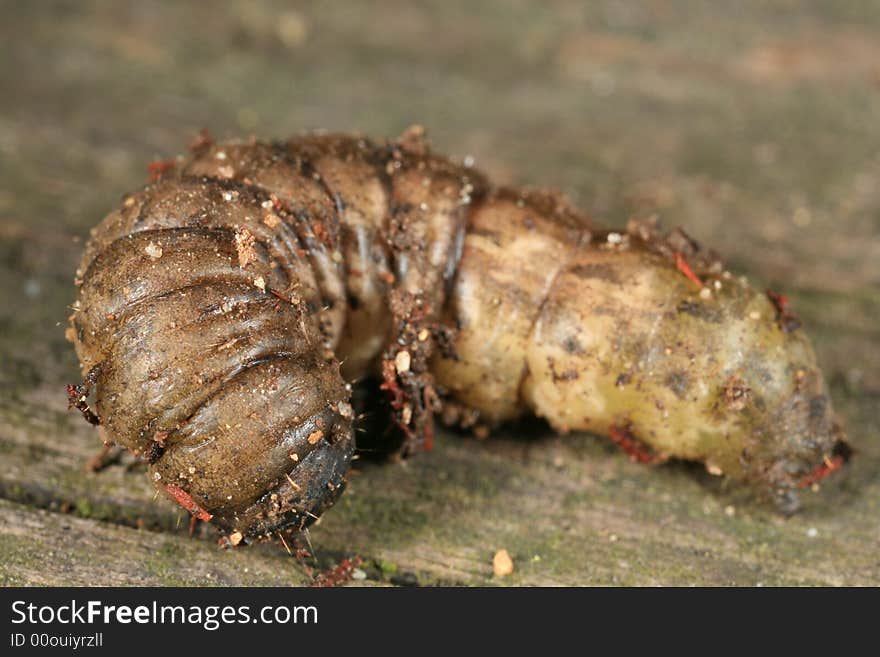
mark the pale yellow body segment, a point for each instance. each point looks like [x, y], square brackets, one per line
[608, 336]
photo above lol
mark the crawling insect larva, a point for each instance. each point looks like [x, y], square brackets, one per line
[223, 307]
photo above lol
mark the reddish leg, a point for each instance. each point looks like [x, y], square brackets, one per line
[637, 451]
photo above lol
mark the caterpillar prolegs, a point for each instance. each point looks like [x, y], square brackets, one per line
[224, 307]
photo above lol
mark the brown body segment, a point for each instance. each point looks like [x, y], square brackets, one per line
[224, 307]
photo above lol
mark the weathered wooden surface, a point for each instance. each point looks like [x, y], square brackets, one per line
[756, 128]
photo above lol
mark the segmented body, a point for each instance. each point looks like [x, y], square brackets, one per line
[224, 308]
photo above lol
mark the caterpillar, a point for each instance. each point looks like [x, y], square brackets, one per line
[225, 308]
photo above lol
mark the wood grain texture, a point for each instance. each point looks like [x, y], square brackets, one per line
[44, 549]
[750, 130]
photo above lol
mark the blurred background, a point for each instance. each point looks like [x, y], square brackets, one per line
[755, 125]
